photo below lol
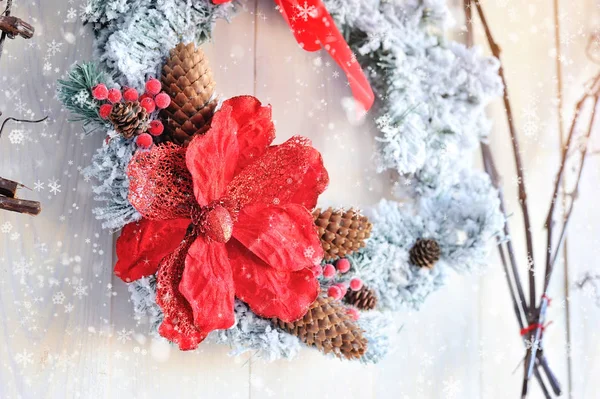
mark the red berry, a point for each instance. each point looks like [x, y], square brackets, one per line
[317, 271]
[130, 94]
[356, 284]
[162, 100]
[105, 110]
[156, 128]
[153, 86]
[144, 140]
[343, 265]
[343, 287]
[114, 95]
[328, 271]
[100, 92]
[354, 313]
[144, 96]
[148, 104]
[334, 292]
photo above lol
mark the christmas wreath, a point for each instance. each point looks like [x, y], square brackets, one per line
[221, 237]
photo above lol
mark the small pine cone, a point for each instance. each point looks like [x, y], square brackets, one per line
[129, 118]
[425, 253]
[341, 232]
[328, 327]
[188, 80]
[363, 299]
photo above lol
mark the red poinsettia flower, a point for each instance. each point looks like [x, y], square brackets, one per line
[251, 235]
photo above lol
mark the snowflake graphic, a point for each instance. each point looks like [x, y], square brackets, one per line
[452, 388]
[54, 47]
[305, 11]
[80, 291]
[6, 227]
[309, 252]
[20, 106]
[124, 335]
[24, 358]
[71, 13]
[58, 298]
[16, 136]
[23, 268]
[38, 185]
[54, 186]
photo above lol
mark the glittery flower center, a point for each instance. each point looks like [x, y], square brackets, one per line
[214, 221]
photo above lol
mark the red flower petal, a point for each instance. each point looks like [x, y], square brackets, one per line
[255, 128]
[178, 322]
[212, 158]
[143, 244]
[292, 172]
[207, 284]
[284, 237]
[269, 292]
[160, 185]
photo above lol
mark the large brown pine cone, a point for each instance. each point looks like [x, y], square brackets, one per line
[425, 253]
[129, 118]
[363, 299]
[342, 232]
[328, 327]
[188, 80]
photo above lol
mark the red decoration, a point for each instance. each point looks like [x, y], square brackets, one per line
[153, 86]
[130, 94]
[314, 29]
[100, 92]
[343, 265]
[143, 244]
[156, 128]
[114, 95]
[162, 100]
[148, 104]
[335, 292]
[356, 284]
[105, 110]
[144, 140]
[328, 271]
[343, 287]
[354, 313]
[252, 236]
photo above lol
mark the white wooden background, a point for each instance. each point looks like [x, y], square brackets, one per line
[66, 327]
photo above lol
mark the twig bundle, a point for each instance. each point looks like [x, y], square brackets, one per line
[531, 316]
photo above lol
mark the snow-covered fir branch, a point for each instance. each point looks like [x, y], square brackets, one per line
[111, 187]
[75, 94]
[464, 221]
[133, 37]
[433, 92]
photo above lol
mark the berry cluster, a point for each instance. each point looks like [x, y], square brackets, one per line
[152, 99]
[338, 290]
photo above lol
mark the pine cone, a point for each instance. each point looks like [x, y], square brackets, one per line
[425, 253]
[129, 118]
[187, 78]
[364, 299]
[329, 328]
[341, 232]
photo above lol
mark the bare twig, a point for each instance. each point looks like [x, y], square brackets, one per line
[496, 51]
[519, 306]
[20, 121]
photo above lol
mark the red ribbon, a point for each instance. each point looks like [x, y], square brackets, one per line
[314, 29]
[533, 327]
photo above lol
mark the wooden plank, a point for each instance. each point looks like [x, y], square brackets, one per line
[583, 347]
[53, 281]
